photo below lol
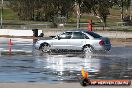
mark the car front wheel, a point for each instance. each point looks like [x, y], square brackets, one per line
[45, 48]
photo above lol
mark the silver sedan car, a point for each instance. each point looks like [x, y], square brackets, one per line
[84, 40]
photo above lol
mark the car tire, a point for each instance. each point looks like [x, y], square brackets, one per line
[45, 48]
[88, 49]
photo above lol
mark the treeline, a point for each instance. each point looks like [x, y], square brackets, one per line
[46, 10]
[40, 9]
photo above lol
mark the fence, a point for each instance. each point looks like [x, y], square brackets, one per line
[72, 25]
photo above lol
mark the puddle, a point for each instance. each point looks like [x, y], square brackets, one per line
[65, 67]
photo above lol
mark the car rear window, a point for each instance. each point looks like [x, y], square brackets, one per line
[95, 35]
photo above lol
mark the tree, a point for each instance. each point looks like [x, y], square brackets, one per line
[123, 4]
[102, 8]
[46, 10]
[98, 7]
[126, 5]
[23, 8]
[40, 9]
[83, 6]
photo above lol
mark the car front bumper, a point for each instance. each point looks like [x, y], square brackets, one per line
[37, 45]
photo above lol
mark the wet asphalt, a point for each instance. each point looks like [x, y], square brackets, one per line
[25, 64]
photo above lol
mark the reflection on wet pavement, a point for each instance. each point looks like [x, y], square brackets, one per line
[58, 67]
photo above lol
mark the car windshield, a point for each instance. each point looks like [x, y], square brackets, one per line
[95, 35]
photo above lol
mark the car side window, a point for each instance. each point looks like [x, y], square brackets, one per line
[86, 37]
[79, 35]
[66, 35]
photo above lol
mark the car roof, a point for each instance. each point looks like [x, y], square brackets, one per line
[78, 30]
[91, 33]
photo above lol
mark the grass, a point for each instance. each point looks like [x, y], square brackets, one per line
[85, 18]
[8, 14]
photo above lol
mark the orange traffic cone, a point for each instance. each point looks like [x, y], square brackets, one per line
[86, 74]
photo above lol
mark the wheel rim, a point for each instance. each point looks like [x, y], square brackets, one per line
[45, 48]
[88, 49]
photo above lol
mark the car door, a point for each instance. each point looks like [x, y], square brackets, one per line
[77, 40]
[60, 42]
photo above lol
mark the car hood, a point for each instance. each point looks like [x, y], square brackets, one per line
[44, 40]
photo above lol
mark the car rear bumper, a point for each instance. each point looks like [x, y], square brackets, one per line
[107, 47]
[103, 48]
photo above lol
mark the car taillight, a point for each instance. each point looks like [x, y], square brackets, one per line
[101, 42]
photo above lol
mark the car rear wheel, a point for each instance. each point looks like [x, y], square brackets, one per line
[88, 49]
[45, 48]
